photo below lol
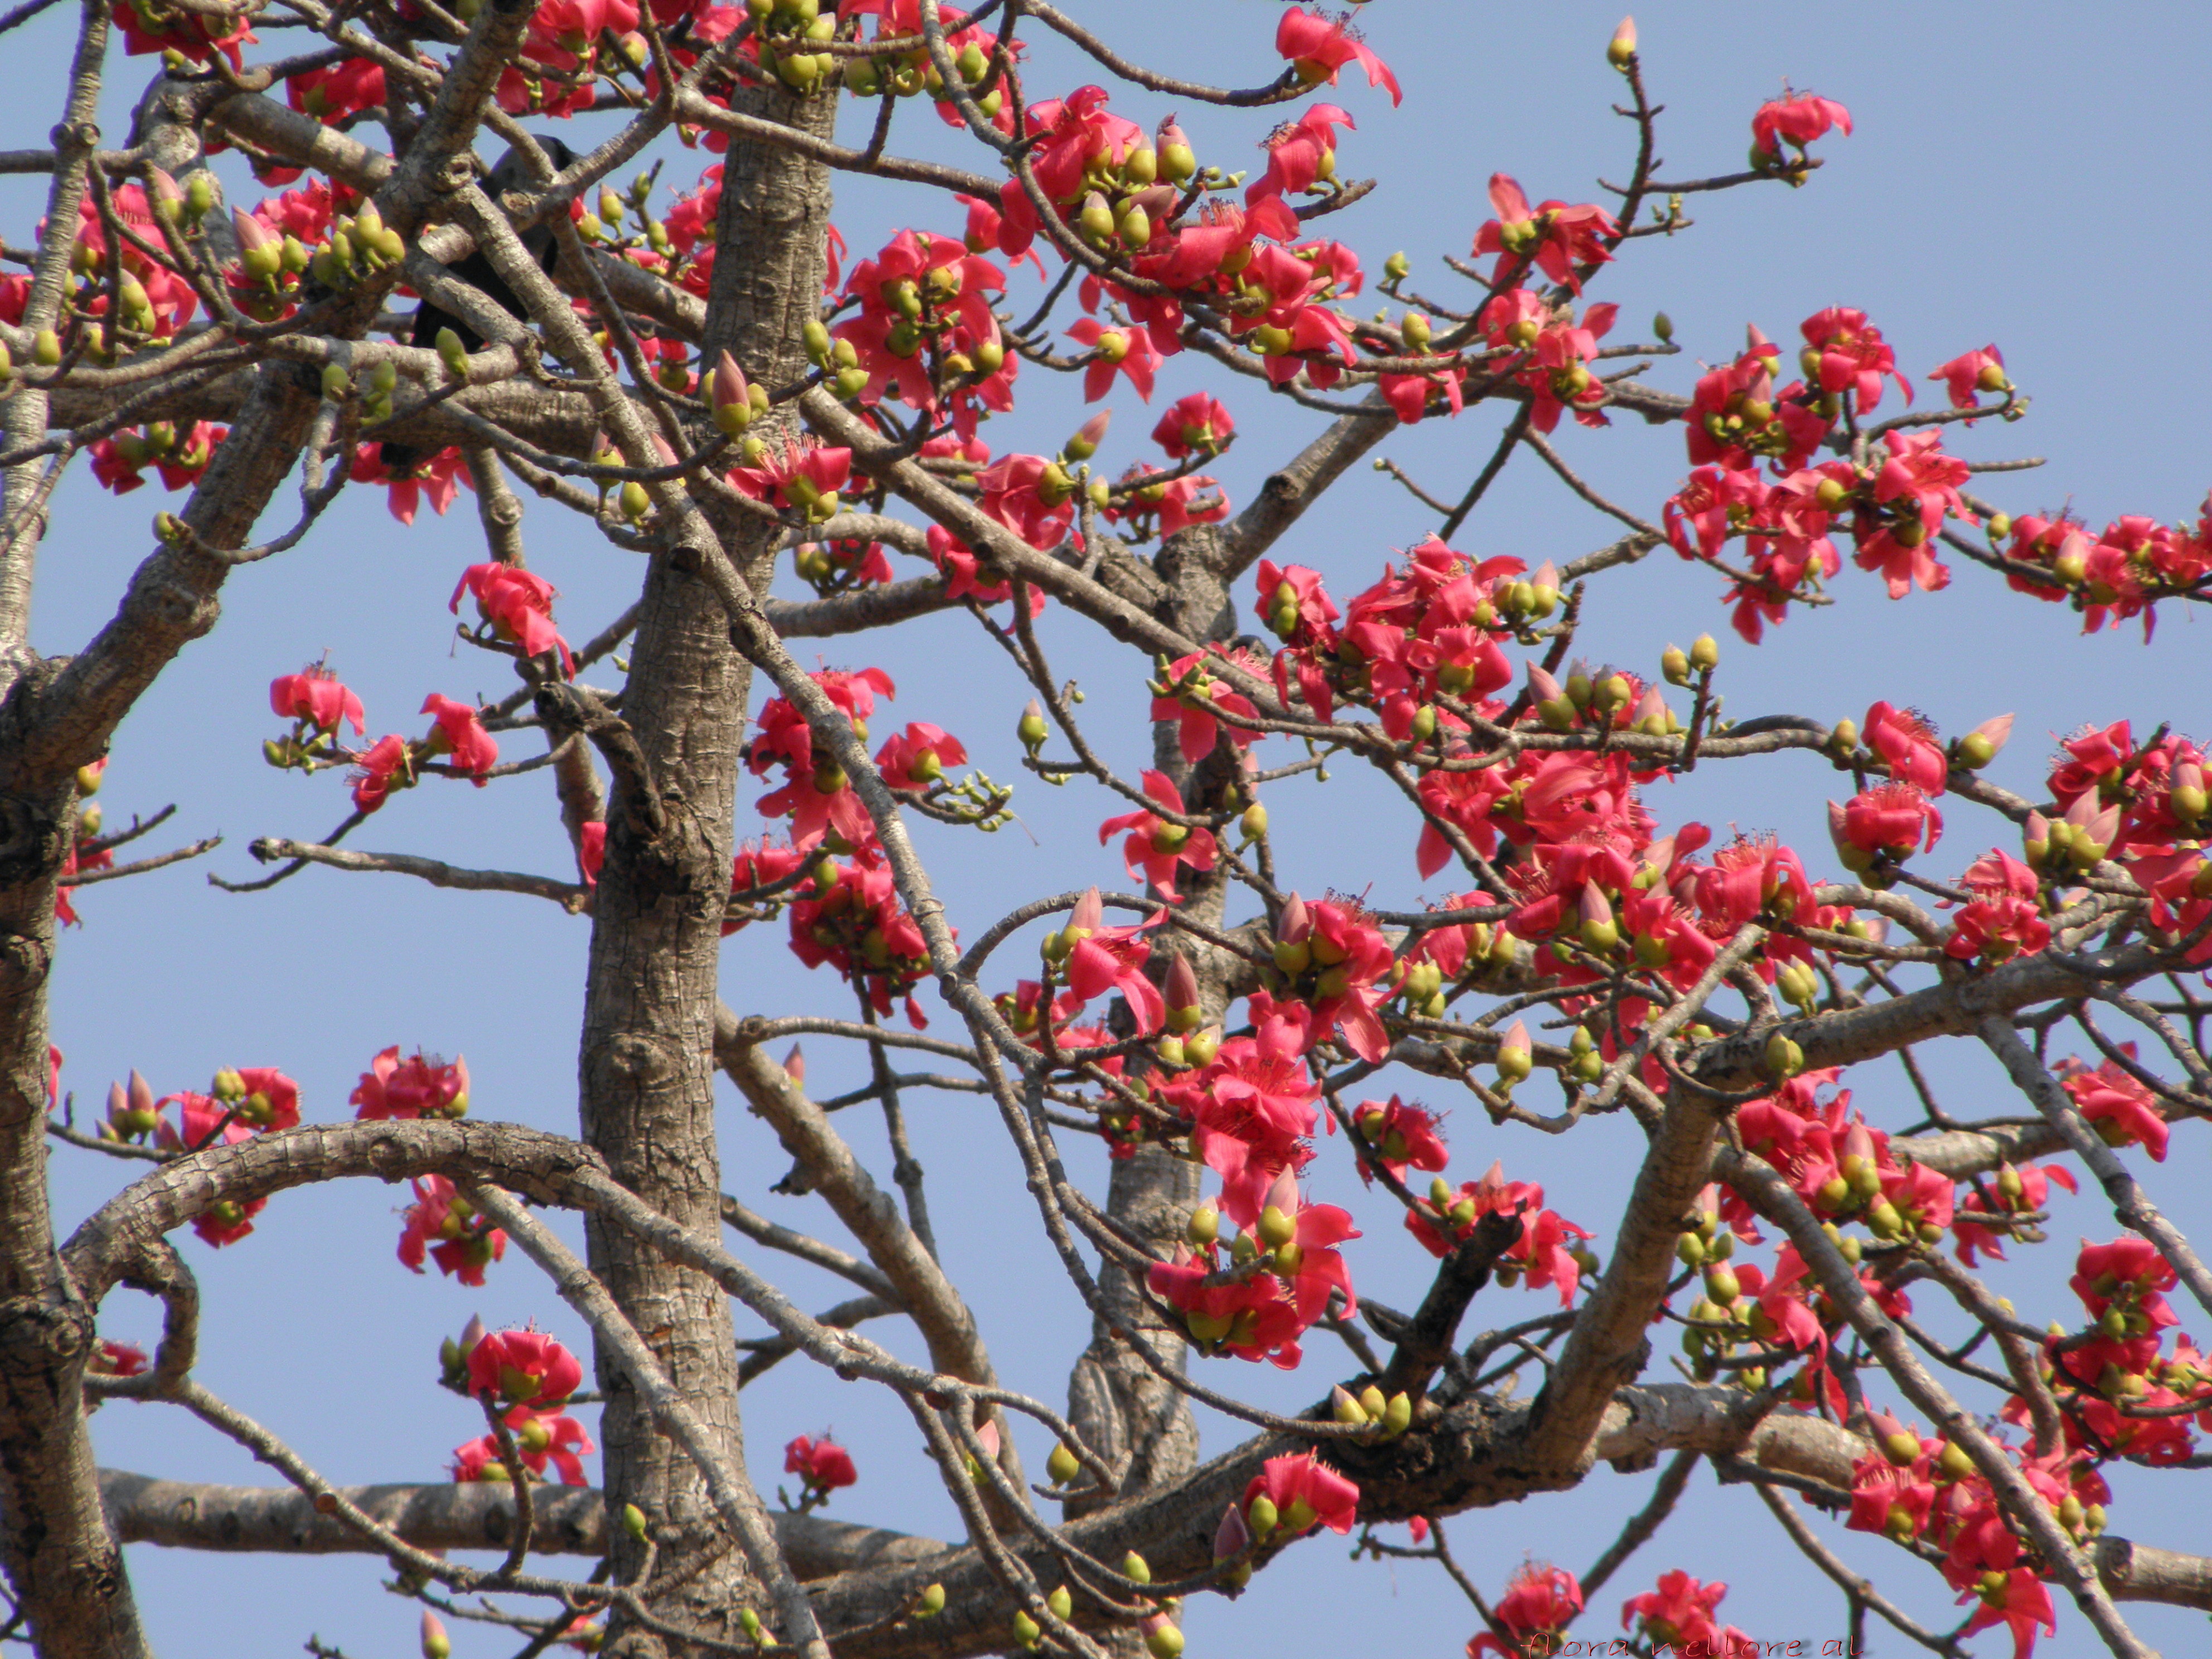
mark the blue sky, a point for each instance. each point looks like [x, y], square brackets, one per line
[2029, 174]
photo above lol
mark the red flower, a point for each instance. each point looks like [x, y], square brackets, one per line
[118, 1359]
[435, 478]
[1195, 694]
[1128, 352]
[524, 1368]
[263, 1097]
[466, 1244]
[1892, 1494]
[460, 734]
[822, 1464]
[1155, 847]
[1557, 236]
[118, 461]
[337, 91]
[1904, 739]
[1801, 118]
[379, 764]
[1169, 506]
[1844, 352]
[1332, 957]
[518, 607]
[2021, 1604]
[1679, 1612]
[1194, 425]
[1974, 373]
[421, 1086]
[2004, 918]
[1252, 1113]
[806, 479]
[1883, 826]
[1102, 959]
[315, 695]
[917, 758]
[1401, 1137]
[818, 797]
[189, 34]
[1303, 1492]
[1031, 496]
[1318, 50]
[2121, 1109]
[1540, 1601]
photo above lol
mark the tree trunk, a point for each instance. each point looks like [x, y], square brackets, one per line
[646, 1063]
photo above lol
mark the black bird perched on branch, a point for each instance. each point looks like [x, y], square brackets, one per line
[513, 172]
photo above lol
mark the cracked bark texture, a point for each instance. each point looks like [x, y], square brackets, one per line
[647, 1065]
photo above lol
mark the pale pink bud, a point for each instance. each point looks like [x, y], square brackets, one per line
[1980, 746]
[1182, 985]
[986, 1435]
[1546, 574]
[471, 1334]
[1169, 133]
[1542, 686]
[1858, 1142]
[1232, 1536]
[1088, 436]
[1090, 911]
[1622, 46]
[166, 190]
[252, 234]
[141, 1092]
[1650, 707]
[795, 1065]
[436, 1644]
[1295, 924]
[1283, 1195]
[728, 386]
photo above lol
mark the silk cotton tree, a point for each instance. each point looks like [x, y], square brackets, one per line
[708, 377]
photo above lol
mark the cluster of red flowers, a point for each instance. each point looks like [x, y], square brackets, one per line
[924, 330]
[1550, 1251]
[1255, 1296]
[241, 1102]
[442, 1225]
[2119, 572]
[2120, 1394]
[532, 1375]
[2145, 806]
[1911, 1487]
[118, 463]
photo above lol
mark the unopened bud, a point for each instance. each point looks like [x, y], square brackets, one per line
[1621, 51]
